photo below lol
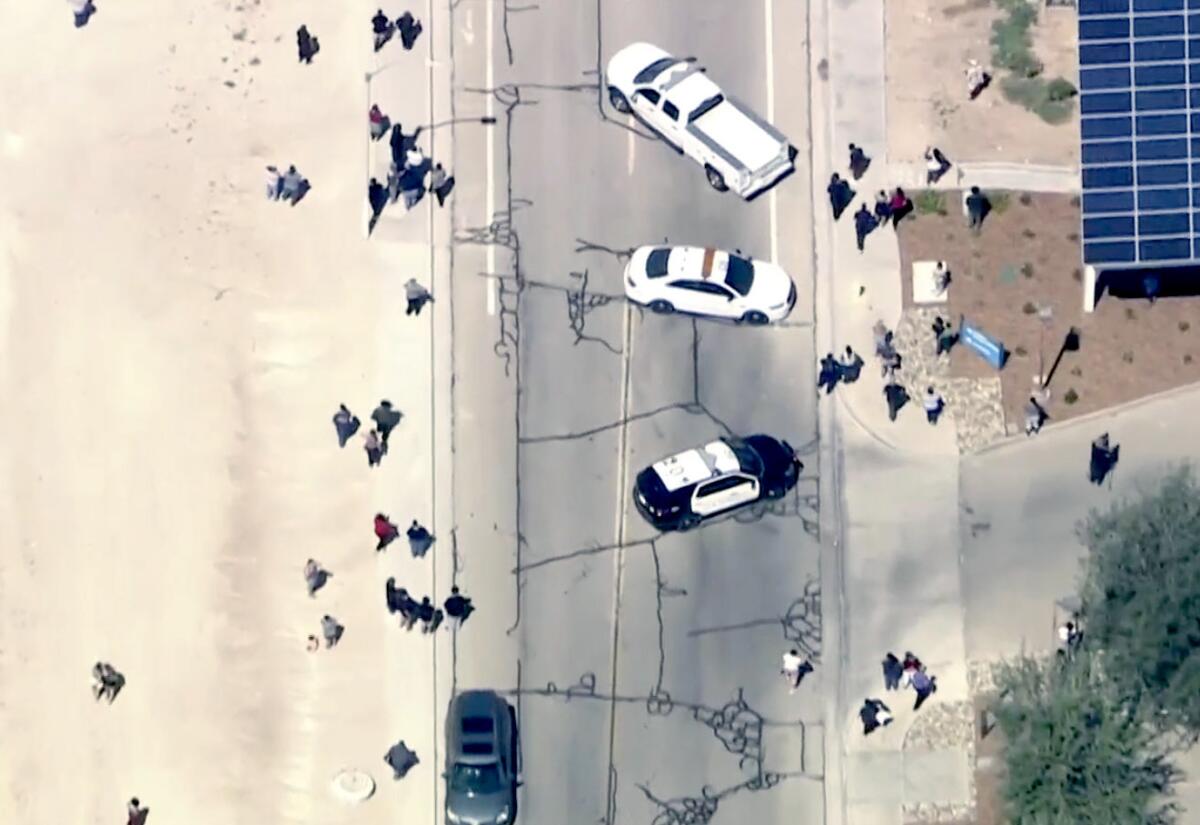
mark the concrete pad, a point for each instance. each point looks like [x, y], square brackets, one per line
[875, 777]
[937, 776]
[872, 813]
[924, 284]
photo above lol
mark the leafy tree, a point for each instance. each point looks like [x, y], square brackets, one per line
[1075, 754]
[1141, 601]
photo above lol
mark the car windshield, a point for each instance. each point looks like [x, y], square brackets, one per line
[475, 779]
[653, 70]
[740, 275]
[746, 456]
[656, 263]
[705, 107]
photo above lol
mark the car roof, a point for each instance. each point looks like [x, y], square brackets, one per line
[692, 262]
[689, 90]
[697, 464]
[475, 722]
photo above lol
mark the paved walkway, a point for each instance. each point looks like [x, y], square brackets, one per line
[898, 558]
[910, 174]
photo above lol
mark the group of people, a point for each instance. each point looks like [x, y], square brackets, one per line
[419, 538]
[384, 29]
[845, 369]
[385, 417]
[897, 674]
[288, 186]
[891, 206]
[456, 606]
[407, 171]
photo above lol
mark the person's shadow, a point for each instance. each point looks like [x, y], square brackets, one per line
[304, 187]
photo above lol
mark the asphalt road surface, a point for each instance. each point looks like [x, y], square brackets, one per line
[644, 667]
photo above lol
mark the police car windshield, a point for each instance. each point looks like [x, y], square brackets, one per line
[750, 460]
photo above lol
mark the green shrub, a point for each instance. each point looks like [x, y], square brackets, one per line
[1070, 396]
[1000, 200]
[1012, 45]
[930, 202]
[1060, 89]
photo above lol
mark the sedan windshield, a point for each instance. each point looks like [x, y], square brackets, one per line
[740, 276]
[475, 779]
[653, 70]
[656, 263]
[746, 456]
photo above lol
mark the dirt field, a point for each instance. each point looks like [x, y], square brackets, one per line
[1028, 257]
[929, 43]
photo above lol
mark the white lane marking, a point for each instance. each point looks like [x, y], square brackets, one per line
[629, 147]
[490, 281]
[469, 29]
[772, 200]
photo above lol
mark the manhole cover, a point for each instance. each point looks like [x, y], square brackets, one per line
[353, 786]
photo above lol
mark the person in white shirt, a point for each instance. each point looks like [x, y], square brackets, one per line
[795, 667]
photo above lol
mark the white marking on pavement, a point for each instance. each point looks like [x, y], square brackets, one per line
[629, 151]
[14, 144]
[469, 29]
[772, 200]
[490, 202]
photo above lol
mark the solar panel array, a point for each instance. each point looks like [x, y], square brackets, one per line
[1139, 84]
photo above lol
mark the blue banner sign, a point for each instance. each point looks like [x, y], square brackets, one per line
[988, 347]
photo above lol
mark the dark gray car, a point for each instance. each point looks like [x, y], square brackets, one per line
[481, 772]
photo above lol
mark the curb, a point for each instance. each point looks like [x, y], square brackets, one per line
[1107, 412]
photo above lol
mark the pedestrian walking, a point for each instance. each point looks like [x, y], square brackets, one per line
[934, 404]
[379, 122]
[419, 539]
[1070, 637]
[393, 596]
[883, 338]
[401, 759]
[901, 206]
[910, 665]
[1035, 416]
[896, 397]
[293, 183]
[944, 336]
[345, 423]
[1103, 458]
[377, 199]
[438, 616]
[864, 225]
[795, 668]
[107, 682]
[924, 685]
[941, 278]
[274, 183]
[412, 179]
[83, 11]
[978, 207]
[859, 162]
[978, 79]
[458, 607]
[374, 448]
[382, 28]
[936, 165]
[401, 143]
[386, 417]
[315, 576]
[331, 630]
[850, 365]
[136, 813]
[409, 28]
[313, 644]
[892, 672]
[385, 531]
[306, 45]
[883, 206]
[425, 613]
[841, 194]
[441, 184]
[417, 296]
[874, 714]
[830, 373]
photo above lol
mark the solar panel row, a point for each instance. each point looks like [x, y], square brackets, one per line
[1140, 129]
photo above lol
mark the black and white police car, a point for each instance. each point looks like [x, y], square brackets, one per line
[681, 491]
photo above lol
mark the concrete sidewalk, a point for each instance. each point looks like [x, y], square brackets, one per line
[898, 558]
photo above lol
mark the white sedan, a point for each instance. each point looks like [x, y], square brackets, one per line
[708, 282]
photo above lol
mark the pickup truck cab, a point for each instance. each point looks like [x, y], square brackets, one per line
[676, 99]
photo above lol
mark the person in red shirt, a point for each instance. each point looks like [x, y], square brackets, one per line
[385, 531]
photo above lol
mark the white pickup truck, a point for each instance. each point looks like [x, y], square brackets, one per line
[673, 96]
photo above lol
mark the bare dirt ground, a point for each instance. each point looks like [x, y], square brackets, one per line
[172, 346]
[929, 43]
[1026, 257]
